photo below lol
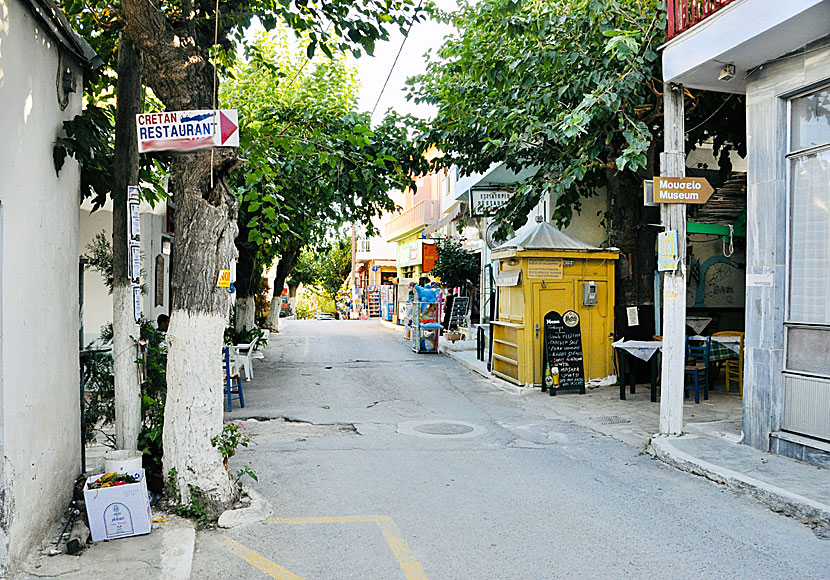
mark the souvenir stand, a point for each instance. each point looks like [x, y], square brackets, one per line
[425, 320]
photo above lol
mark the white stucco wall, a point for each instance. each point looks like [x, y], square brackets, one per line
[97, 300]
[39, 372]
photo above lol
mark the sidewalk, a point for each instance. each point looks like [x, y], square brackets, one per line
[711, 447]
[166, 553]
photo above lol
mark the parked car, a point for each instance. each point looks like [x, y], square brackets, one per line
[325, 316]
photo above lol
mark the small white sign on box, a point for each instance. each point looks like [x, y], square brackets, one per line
[119, 511]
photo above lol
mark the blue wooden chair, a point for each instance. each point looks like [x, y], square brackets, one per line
[697, 366]
[231, 377]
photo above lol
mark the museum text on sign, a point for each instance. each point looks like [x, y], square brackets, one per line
[682, 190]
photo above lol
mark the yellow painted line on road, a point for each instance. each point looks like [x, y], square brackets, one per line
[326, 520]
[410, 566]
[259, 561]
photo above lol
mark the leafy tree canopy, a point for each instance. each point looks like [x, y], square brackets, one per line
[312, 161]
[570, 87]
[455, 265]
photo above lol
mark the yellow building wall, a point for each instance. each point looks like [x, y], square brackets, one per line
[518, 334]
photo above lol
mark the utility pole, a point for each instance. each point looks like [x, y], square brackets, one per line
[354, 274]
[673, 217]
[125, 173]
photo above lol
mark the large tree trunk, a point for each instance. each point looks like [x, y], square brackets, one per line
[248, 276]
[631, 233]
[245, 313]
[180, 73]
[203, 245]
[124, 329]
[284, 267]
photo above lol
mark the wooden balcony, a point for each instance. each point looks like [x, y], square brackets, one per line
[418, 216]
[683, 14]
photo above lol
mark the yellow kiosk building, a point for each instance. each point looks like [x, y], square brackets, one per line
[541, 270]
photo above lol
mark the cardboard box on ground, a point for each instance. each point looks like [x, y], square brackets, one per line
[119, 511]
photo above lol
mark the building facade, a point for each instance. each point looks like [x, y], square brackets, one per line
[40, 435]
[777, 54]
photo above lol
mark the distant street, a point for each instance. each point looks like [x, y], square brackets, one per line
[381, 464]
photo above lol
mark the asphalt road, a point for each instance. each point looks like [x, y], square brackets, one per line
[381, 464]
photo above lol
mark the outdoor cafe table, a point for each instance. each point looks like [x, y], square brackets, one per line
[721, 348]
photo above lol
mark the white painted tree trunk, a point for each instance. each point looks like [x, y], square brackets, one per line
[125, 369]
[245, 313]
[193, 412]
[273, 321]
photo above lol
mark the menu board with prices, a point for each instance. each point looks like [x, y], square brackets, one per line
[563, 361]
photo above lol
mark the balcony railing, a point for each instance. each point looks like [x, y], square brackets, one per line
[683, 14]
[419, 215]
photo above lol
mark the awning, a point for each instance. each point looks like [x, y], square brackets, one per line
[509, 278]
[454, 213]
[497, 174]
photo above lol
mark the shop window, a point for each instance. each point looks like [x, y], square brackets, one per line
[808, 314]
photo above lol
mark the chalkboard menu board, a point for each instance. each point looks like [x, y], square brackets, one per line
[563, 368]
[459, 311]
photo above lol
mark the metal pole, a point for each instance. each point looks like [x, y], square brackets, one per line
[82, 355]
[673, 215]
[354, 273]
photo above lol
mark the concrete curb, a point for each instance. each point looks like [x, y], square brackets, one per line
[257, 511]
[177, 553]
[497, 382]
[776, 498]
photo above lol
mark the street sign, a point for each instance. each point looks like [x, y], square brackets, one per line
[224, 280]
[695, 190]
[187, 130]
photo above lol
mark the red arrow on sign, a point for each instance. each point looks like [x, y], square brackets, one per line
[226, 127]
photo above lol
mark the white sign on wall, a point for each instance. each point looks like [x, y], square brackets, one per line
[485, 202]
[187, 130]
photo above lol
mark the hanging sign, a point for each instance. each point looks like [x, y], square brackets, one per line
[135, 262]
[667, 251]
[133, 215]
[136, 302]
[695, 190]
[187, 130]
[562, 350]
[224, 280]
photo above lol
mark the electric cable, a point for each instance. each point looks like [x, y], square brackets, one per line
[395, 62]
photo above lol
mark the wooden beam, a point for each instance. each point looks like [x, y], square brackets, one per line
[673, 216]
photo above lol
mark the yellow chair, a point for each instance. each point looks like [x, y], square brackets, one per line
[734, 367]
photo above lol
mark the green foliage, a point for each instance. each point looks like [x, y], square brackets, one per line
[241, 473]
[230, 439]
[99, 391]
[99, 258]
[153, 365]
[244, 336]
[96, 365]
[455, 266]
[197, 508]
[323, 268]
[568, 87]
[313, 162]
[90, 139]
